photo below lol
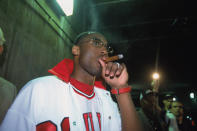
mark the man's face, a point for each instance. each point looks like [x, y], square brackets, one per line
[167, 102]
[177, 108]
[92, 48]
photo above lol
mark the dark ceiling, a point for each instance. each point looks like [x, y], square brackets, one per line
[152, 34]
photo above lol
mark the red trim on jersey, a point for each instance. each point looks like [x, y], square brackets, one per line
[85, 88]
[63, 71]
[46, 126]
[84, 95]
[99, 84]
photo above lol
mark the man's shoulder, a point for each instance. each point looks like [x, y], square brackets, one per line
[7, 84]
[2, 80]
[102, 92]
[42, 78]
[100, 89]
[42, 83]
[45, 80]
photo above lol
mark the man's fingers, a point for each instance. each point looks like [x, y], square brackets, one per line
[115, 70]
[111, 69]
[119, 70]
[103, 64]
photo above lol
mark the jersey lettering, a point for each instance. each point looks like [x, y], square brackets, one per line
[85, 117]
[65, 124]
[46, 126]
[99, 119]
[89, 121]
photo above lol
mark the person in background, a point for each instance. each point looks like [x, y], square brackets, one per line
[150, 112]
[166, 101]
[8, 91]
[70, 99]
[183, 123]
[169, 118]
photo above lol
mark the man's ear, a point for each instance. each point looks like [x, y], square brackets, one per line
[75, 50]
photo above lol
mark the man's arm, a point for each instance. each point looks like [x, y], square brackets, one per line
[117, 77]
[130, 121]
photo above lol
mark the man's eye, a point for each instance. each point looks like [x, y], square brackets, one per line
[97, 43]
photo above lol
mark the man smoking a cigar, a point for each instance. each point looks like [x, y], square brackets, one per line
[71, 100]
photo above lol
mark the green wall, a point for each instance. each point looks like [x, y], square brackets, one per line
[38, 36]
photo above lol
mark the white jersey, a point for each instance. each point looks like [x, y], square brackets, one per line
[50, 104]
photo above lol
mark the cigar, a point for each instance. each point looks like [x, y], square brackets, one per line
[113, 58]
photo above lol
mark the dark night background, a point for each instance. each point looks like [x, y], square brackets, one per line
[154, 34]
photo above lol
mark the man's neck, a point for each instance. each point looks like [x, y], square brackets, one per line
[83, 77]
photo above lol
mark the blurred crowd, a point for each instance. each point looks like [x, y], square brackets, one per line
[167, 115]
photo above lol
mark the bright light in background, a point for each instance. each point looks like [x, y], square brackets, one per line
[191, 95]
[155, 76]
[67, 6]
[174, 98]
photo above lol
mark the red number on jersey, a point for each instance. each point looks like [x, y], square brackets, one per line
[88, 119]
[65, 124]
[46, 126]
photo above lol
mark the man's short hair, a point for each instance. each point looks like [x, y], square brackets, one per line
[1, 37]
[167, 96]
[83, 35]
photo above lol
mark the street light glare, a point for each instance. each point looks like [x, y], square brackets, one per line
[155, 76]
[67, 6]
[174, 98]
[192, 95]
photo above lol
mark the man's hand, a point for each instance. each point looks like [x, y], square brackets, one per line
[115, 75]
